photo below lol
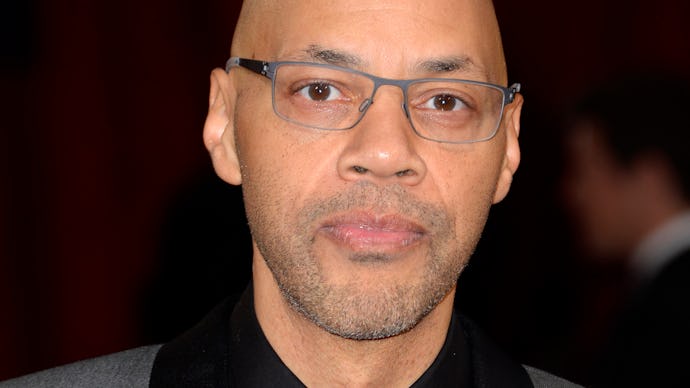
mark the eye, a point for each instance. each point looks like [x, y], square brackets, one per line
[444, 102]
[319, 91]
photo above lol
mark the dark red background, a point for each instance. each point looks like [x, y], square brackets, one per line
[103, 106]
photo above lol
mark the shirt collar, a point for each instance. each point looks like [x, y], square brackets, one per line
[662, 245]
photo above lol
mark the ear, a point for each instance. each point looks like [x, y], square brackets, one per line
[219, 136]
[511, 159]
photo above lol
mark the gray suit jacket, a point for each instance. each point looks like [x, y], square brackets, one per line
[131, 368]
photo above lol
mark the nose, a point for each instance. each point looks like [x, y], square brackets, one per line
[383, 147]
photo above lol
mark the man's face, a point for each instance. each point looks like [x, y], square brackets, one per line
[366, 230]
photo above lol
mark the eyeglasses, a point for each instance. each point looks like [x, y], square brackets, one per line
[331, 97]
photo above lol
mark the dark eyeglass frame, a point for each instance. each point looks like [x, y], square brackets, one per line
[268, 70]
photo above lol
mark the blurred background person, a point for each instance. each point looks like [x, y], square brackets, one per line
[627, 186]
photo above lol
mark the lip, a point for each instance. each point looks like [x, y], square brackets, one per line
[364, 231]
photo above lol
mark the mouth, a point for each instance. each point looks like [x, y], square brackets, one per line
[364, 231]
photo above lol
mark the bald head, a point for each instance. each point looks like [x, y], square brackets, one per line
[389, 38]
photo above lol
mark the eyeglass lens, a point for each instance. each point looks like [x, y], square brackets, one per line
[330, 98]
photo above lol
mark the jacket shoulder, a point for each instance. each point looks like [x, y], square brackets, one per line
[129, 368]
[541, 379]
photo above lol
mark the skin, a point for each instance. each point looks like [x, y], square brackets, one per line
[359, 235]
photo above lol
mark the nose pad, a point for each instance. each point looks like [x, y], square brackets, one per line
[404, 108]
[365, 104]
[368, 102]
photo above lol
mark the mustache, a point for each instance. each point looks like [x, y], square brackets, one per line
[389, 199]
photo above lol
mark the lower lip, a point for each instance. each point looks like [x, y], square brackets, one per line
[365, 238]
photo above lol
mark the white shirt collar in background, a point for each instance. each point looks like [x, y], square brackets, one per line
[662, 245]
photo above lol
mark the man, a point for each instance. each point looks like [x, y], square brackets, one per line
[365, 194]
[628, 186]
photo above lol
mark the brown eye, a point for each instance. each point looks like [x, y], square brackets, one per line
[319, 91]
[444, 102]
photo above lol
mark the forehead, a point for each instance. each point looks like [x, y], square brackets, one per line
[388, 38]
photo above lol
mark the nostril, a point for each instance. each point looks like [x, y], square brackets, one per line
[401, 173]
[359, 169]
[404, 173]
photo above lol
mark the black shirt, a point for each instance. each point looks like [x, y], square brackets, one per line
[229, 349]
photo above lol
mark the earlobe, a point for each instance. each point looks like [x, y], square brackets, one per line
[511, 159]
[218, 129]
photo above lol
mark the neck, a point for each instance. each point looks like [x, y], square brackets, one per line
[319, 358]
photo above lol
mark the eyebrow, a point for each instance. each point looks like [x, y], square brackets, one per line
[333, 57]
[436, 66]
[462, 66]
[446, 65]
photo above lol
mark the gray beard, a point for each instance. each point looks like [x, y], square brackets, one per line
[348, 310]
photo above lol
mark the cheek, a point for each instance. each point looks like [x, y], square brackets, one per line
[469, 175]
[256, 141]
[281, 165]
[466, 183]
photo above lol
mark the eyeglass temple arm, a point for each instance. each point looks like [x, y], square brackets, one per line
[511, 91]
[259, 67]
